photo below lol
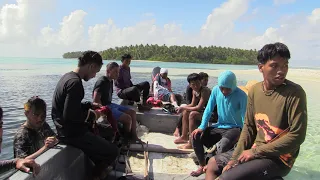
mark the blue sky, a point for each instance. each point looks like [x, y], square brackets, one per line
[190, 14]
[247, 24]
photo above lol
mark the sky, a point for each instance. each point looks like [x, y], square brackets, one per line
[49, 28]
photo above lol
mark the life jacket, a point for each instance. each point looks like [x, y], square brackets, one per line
[154, 103]
[158, 78]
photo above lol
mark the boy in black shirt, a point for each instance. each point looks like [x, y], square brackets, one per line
[102, 94]
[69, 113]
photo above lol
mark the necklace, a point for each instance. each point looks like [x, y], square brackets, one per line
[269, 92]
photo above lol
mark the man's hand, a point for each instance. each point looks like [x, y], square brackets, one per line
[50, 142]
[180, 109]
[245, 156]
[25, 165]
[96, 105]
[230, 165]
[196, 131]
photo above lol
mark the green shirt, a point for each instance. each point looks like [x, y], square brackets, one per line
[280, 117]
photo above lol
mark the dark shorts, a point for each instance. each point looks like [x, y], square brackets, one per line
[223, 159]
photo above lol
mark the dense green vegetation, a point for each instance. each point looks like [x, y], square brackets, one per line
[211, 54]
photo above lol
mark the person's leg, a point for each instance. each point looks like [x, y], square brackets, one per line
[133, 116]
[131, 94]
[178, 130]
[229, 139]
[208, 138]
[216, 164]
[193, 117]
[122, 117]
[145, 88]
[173, 99]
[99, 150]
[185, 126]
[262, 169]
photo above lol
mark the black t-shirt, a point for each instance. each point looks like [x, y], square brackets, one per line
[68, 113]
[105, 87]
[28, 141]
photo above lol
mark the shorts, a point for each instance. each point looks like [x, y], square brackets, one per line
[164, 95]
[117, 110]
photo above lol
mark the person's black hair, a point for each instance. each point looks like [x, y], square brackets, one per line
[270, 51]
[112, 65]
[90, 57]
[203, 75]
[1, 113]
[193, 77]
[36, 103]
[125, 57]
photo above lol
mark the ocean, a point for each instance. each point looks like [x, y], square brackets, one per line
[21, 78]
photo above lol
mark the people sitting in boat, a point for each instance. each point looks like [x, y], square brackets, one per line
[188, 97]
[102, 94]
[25, 165]
[192, 113]
[275, 124]
[69, 116]
[162, 88]
[127, 90]
[231, 102]
[204, 82]
[35, 135]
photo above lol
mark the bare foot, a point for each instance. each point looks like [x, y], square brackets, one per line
[176, 133]
[198, 172]
[185, 146]
[180, 140]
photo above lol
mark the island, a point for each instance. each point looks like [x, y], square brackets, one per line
[186, 54]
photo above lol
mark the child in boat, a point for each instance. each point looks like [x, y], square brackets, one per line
[162, 88]
[204, 77]
[35, 135]
[21, 164]
[192, 113]
[102, 94]
[125, 87]
[275, 124]
[231, 103]
[69, 114]
[204, 82]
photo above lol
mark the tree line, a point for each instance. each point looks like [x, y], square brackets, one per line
[210, 54]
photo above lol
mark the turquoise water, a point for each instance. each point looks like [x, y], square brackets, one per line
[22, 78]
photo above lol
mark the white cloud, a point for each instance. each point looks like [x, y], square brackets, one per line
[282, 2]
[20, 34]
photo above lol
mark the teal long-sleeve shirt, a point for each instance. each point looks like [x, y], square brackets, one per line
[231, 108]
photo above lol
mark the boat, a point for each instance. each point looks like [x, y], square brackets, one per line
[158, 159]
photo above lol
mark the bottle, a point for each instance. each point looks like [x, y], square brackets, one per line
[155, 90]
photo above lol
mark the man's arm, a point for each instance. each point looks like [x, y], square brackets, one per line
[209, 109]
[297, 119]
[97, 96]
[6, 165]
[243, 107]
[189, 95]
[249, 131]
[72, 106]
[203, 100]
